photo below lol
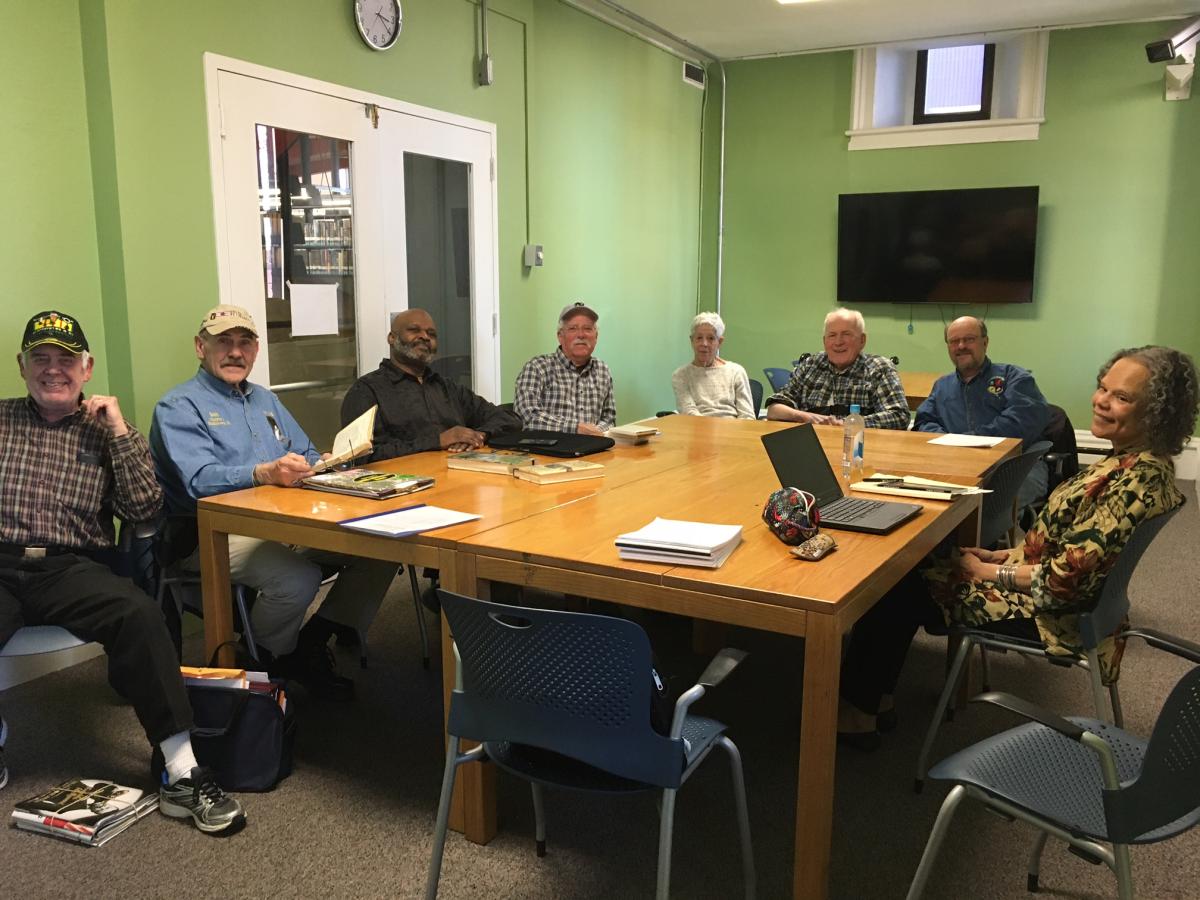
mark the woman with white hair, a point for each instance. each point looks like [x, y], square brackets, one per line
[709, 385]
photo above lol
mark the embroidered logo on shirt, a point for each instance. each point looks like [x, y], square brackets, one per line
[996, 385]
[215, 418]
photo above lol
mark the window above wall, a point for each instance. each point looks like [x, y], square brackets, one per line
[949, 92]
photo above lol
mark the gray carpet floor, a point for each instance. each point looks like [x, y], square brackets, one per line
[356, 817]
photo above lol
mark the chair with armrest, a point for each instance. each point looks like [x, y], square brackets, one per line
[1095, 625]
[1089, 783]
[1063, 458]
[562, 699]
[998, 518]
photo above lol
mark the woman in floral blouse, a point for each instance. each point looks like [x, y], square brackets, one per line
[1145, 404]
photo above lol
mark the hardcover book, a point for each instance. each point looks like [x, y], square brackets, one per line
[500, 462]
[85, 810]
[368, 483]
[567, 470]
[351, 442]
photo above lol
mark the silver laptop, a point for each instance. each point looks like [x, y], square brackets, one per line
[800, 462]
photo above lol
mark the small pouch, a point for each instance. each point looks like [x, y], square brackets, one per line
[814, 548]
[792, 515]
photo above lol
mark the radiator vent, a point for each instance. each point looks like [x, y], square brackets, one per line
[693, 75]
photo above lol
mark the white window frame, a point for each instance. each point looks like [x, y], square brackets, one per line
[1018, 95]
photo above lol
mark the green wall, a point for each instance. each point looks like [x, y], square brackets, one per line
[48, 231]
[602, 123]
[1118, 261]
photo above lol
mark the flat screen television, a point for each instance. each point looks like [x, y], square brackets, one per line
[957, 246]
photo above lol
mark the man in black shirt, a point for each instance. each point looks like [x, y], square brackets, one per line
[418, 409]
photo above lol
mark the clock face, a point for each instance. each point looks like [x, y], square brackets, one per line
[378, 21]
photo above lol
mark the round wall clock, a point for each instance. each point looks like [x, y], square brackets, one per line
[379, 22]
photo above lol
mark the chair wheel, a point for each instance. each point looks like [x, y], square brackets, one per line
[362, 662]
[918, 785]
[541, 849]
[1031, 884]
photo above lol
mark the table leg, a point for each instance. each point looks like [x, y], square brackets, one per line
[216, 591]
[473, 808]
[818, 749]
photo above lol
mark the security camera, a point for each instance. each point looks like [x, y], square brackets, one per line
[1169, 48]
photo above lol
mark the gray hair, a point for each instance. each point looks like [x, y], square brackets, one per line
[83, 355]
[1168, 411]
[708, 318]
[982, 327]
[853, 315]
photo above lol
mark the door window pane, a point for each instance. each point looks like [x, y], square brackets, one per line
[954, 80]
[306, 215]
[438, 229]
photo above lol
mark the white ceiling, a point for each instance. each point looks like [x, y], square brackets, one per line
[730, 29]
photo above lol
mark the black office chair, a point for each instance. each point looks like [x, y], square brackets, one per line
[777, 378]
[1084, 781]
[563, 699]
[998, 517]
[1095, 626]
[756, 395]
[1063, 458]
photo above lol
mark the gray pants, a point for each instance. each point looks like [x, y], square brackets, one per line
[287, 580]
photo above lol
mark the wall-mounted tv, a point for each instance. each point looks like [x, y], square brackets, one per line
[958, 246]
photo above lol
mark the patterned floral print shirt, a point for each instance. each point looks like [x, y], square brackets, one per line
[1072, 545]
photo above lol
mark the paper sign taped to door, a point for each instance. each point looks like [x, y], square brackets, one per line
[314, 309]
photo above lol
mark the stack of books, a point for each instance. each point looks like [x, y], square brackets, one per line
[498, 462]
[368, 483]
[555, 472]
[632, 434]
[680, 543]
[84, 810]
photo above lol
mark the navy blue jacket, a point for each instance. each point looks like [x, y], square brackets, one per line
[1003, 400]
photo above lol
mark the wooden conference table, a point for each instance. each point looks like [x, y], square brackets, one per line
[560, 538]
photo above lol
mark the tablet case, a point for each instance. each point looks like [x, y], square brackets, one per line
[550, 443]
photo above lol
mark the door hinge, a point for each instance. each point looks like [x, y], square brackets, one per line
[371, 110]
[495, 324]
[492, 168]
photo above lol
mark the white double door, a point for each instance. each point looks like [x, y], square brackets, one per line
[334, 211]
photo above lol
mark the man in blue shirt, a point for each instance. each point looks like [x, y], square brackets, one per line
[987, 398]
[219, 432]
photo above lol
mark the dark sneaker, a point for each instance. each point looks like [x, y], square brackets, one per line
[313, 666]
[3, 764]
[199, 796]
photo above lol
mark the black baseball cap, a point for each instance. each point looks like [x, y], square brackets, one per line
[53, 327]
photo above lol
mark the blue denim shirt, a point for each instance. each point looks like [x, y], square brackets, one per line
[207, 436]
[1003, 400]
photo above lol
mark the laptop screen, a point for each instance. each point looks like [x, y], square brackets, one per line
[800, 462]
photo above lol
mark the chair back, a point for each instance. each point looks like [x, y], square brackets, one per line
[1167, 790]
[1064, 453]
[572, 683]
[997, 516]
[756, 395]
[1113, 605]
[777, 378]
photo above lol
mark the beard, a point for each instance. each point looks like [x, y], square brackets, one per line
[413, 353]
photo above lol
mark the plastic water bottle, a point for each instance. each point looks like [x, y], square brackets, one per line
[852, 445]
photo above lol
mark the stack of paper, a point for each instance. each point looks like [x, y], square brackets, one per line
[680, 543]
[632, 434]
[410, 520]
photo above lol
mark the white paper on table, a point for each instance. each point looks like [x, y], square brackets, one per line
[410, 520]
[966, 440]
[314, 309]
[700, 537]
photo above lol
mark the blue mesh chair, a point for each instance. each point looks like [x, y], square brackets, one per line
[998, 517]
[1084, 781]
[778, 378]
[1094, 626]
[562, 699]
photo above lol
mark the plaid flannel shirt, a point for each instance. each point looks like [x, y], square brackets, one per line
[554, 395]
[61, 482]
[870, 381]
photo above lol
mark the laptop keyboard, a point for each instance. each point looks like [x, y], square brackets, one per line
[849, 508]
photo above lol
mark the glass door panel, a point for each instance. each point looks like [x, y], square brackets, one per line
[306, 210]
[438, 241]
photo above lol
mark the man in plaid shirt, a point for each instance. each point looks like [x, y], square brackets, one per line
[824, 385]
[67, 464]
[569, 389]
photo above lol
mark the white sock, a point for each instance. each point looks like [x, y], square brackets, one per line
[177, 751]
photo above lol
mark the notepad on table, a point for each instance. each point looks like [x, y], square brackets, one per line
[410, 520]
[966, 440]
[680, 543]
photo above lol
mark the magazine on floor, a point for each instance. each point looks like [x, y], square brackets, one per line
[84, 810]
